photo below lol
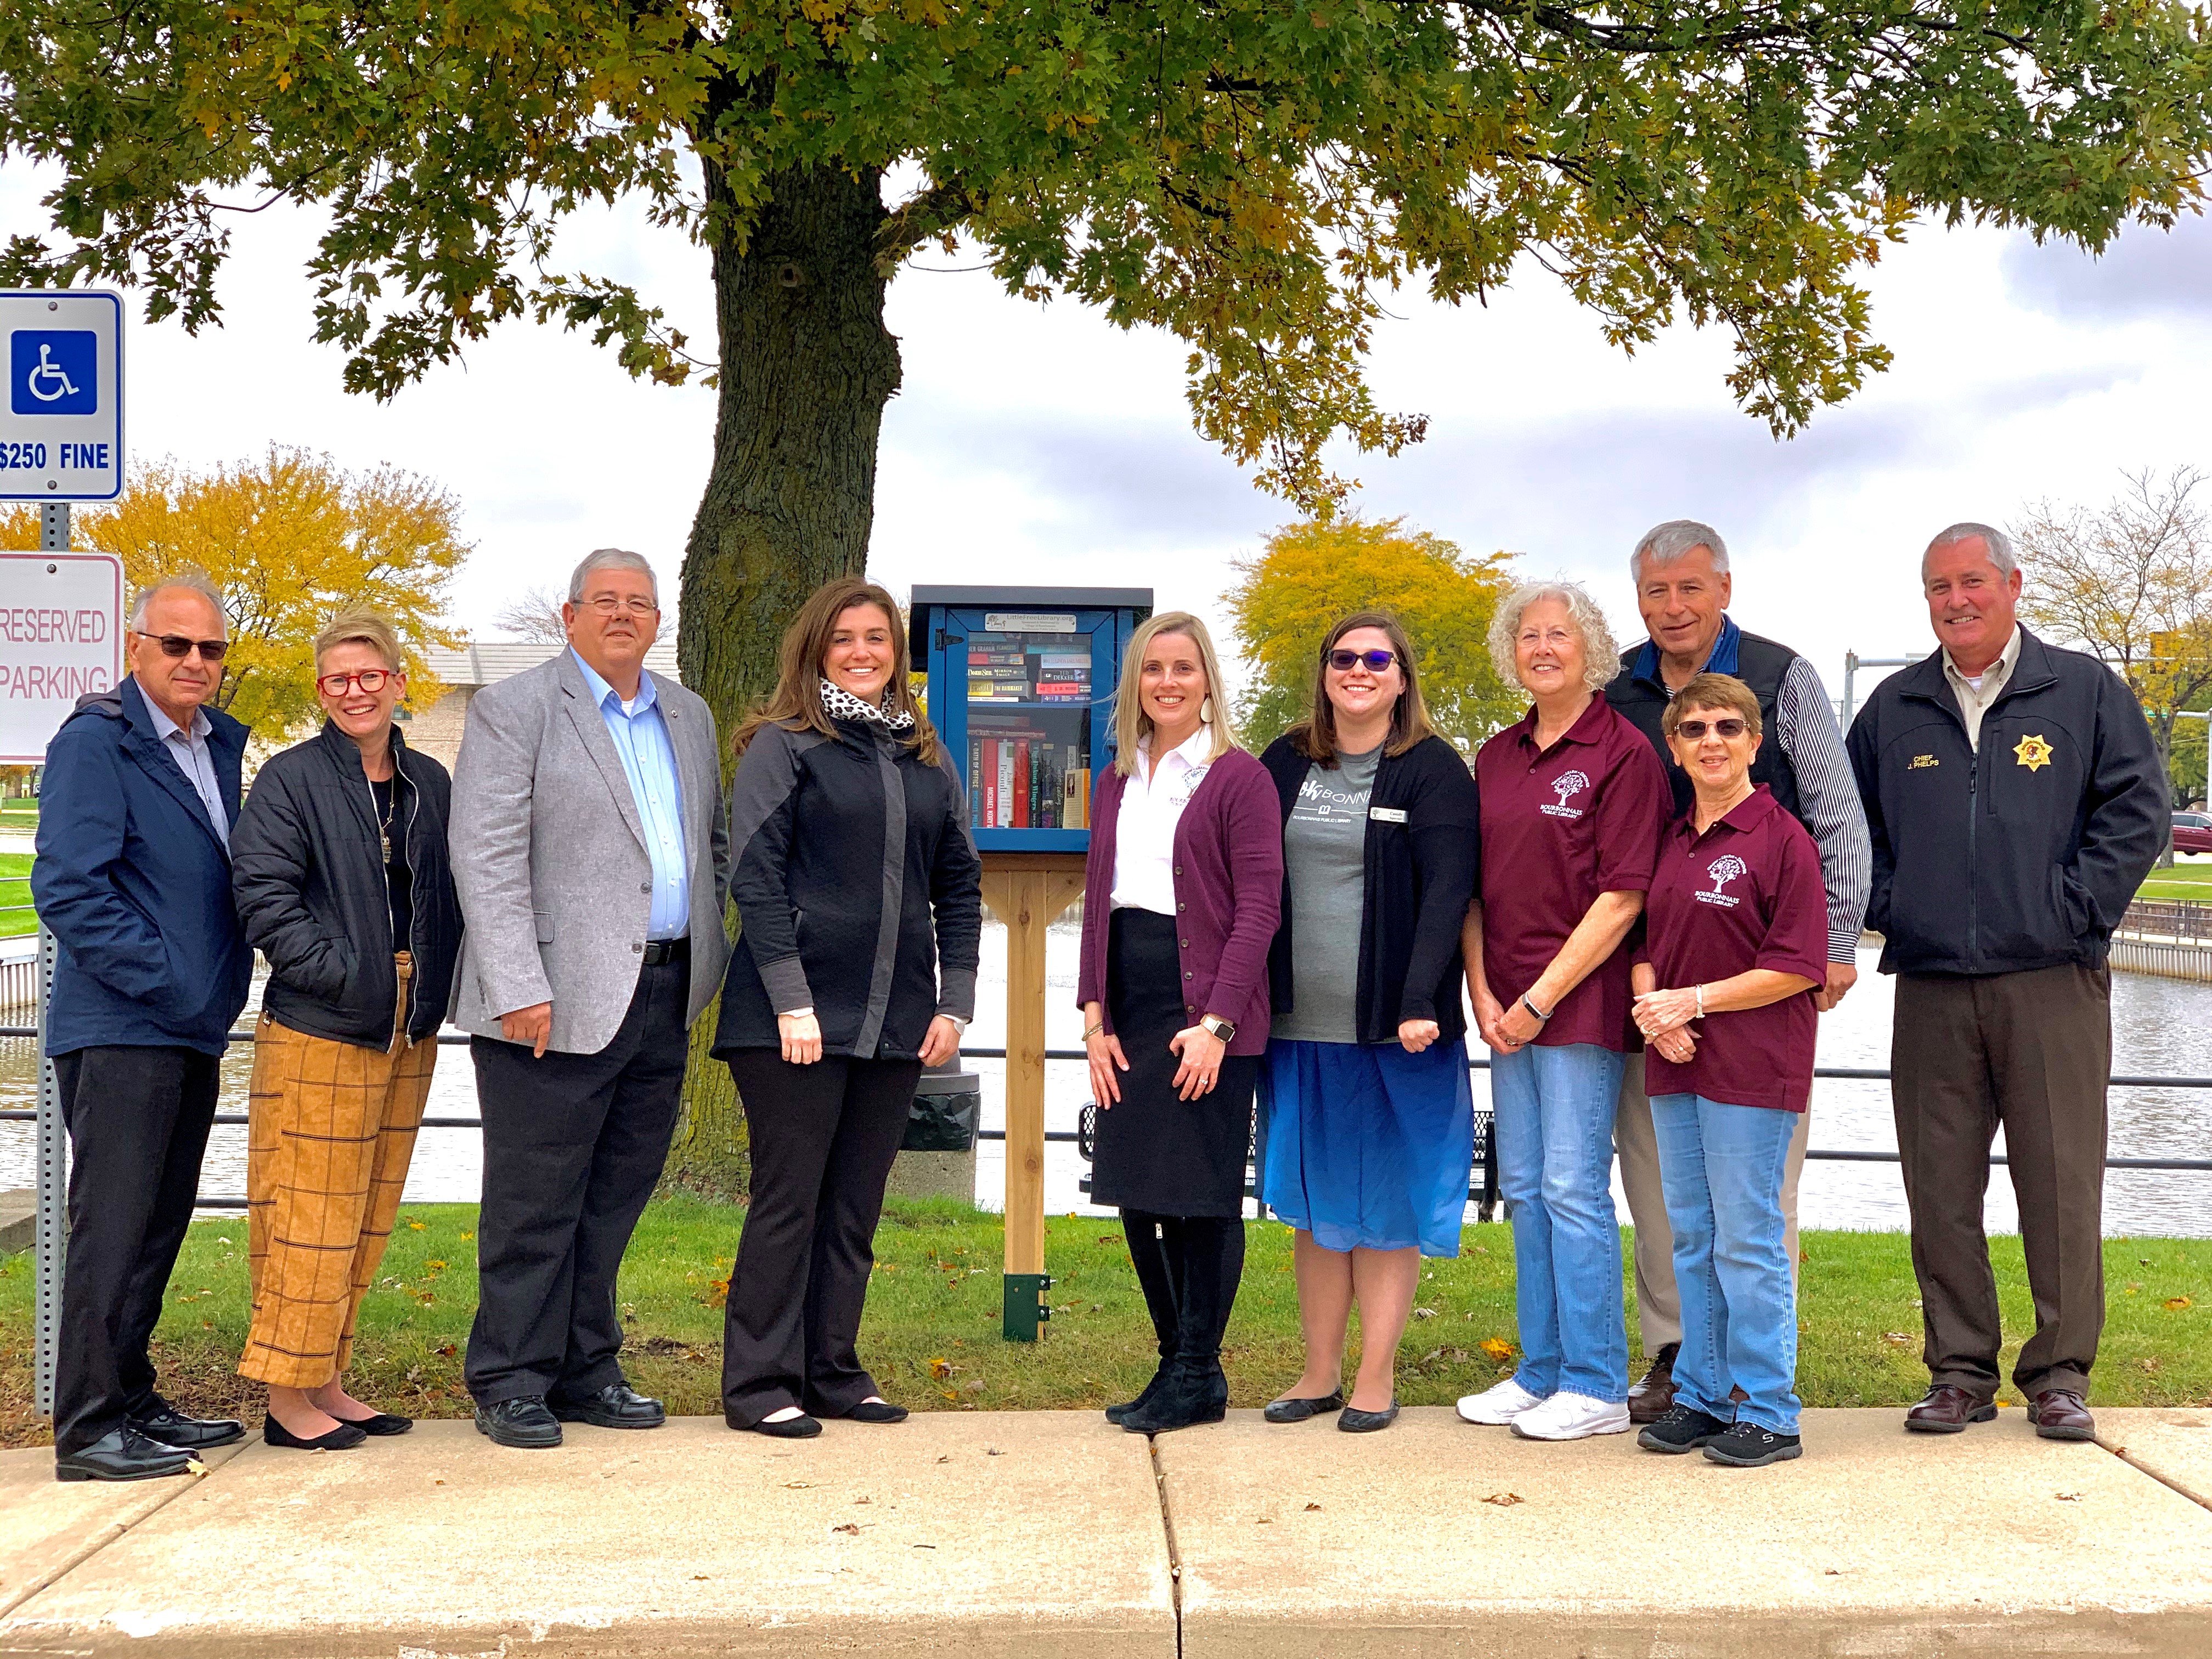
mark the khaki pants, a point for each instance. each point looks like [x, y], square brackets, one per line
[331, 1130]
[1658, 1306]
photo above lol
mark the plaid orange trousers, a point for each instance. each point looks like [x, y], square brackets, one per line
[331, 1129]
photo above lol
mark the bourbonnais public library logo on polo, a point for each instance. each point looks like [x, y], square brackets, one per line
[1567, 787]
[1723, 870]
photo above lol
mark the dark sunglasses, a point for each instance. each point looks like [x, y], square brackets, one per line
[176, 645]
[1693, 730]
[1376, 661]
[370, 680]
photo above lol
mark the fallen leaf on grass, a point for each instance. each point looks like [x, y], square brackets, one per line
[1425, 1313]
[413, 1226]
[940, 1368]
[2176, 1303]
[447, 1352]
[1896, 1339]
[1505, 1500]
[1497, 1347]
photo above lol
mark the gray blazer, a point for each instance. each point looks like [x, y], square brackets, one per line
[549, 857]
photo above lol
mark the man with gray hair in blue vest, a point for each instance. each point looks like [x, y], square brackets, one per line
[1682, 589]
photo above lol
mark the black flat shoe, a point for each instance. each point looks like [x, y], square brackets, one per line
[1291, 1409]
[383, 1423]
[1353, 1421]
[618, 1405]
[122, 1454]
[343, 1438]
[876, 1410]
[524, 1424]
[173, 1428]
[801, 1427]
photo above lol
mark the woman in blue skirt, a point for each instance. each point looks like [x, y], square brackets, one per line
[1367, 1122]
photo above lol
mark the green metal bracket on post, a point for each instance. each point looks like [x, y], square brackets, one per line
[1026, 1307]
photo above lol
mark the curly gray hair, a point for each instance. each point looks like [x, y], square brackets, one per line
[1600, 656]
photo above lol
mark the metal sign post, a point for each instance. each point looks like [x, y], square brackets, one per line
[51, 1239]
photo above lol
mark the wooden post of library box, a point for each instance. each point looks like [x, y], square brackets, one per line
[1021, 689]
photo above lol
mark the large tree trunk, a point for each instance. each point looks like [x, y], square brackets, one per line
[806, 368]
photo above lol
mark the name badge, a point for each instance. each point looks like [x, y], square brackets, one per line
[1387, 814]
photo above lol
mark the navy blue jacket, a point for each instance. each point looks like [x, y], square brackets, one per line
[134, 883]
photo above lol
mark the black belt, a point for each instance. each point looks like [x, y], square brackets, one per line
[660, 951]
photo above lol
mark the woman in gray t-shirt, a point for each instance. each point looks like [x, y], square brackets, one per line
[1367, 1119]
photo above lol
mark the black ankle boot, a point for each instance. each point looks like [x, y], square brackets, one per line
[1149, 1392]
[1195, 1390]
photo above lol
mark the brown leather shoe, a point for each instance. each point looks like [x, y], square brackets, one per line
[2060, 1414]
[1947, 1410]
[1654, 1397]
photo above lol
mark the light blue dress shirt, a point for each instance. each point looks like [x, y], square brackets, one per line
[188, 747]
[649, 761]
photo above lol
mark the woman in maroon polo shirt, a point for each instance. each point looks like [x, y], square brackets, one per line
[1735, 944]
[1181, 894]
[1573, 802]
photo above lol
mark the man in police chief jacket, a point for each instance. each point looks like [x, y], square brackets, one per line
[2016, 802]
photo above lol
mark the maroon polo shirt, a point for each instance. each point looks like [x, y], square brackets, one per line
[1745, 894]
[1558, 828]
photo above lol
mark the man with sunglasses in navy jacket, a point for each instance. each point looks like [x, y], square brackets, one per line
[133, 877]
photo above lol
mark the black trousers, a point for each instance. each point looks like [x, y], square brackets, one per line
[823, 1138]
[2031, 1051]
[139, 1121]
[572, 1147]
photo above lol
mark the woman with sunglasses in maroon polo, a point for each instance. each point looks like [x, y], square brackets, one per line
[1367, 1123]
[1736, 942]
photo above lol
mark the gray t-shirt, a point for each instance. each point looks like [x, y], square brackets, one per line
[1325, 851]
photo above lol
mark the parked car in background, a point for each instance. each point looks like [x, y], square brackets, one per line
[2192, 832]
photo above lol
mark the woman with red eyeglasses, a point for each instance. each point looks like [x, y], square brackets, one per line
[338, 867]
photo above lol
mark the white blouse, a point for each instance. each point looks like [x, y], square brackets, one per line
[1144, 830]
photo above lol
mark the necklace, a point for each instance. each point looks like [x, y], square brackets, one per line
[384, 819]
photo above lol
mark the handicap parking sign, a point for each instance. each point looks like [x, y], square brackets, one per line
[53, 372]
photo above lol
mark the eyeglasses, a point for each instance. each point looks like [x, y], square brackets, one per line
[607, 605]
[1694, 729]
[1376, 661]
[370, 680]
[176, 645]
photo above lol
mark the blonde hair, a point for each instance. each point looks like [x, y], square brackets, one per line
[1132, 725]
[1600, 656]
[360, 628]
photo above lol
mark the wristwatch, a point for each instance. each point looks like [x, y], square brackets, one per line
[1214, 1025]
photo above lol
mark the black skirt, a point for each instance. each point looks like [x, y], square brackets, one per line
[1154, 1151]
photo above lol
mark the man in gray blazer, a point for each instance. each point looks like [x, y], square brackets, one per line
[592, 857]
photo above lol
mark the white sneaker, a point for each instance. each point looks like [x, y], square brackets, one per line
[1572, 1417]
[1499, 1403]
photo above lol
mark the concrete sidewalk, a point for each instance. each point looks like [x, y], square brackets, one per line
[1052, 1533]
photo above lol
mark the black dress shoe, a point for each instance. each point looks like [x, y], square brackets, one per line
[122, 1454]
[876, 1410]
[524, 1424]
[384, 1422]
[344, 1438]
[1292, 1409]
[1353, 1421]
[615, 1406]
[801, 1427]
[173, 1428]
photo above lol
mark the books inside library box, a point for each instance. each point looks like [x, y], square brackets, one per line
[1029, 732]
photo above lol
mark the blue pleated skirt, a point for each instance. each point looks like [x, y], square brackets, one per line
[1366, 1146]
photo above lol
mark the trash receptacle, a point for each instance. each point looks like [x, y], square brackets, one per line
[937, 1159]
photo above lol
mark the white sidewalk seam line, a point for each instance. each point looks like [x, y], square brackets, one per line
[111, 1532]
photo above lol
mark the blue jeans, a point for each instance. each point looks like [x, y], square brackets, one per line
[1553, 1122]
[1722, 1166]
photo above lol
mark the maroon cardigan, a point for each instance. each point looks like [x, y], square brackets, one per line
[1228, 888]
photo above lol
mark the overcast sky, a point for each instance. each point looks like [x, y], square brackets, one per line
[1036, 445]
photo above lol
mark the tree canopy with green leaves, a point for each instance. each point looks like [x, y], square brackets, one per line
[1253, 176]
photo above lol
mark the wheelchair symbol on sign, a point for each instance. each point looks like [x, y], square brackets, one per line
[51, 373]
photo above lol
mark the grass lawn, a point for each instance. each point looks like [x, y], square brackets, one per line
[2183, 881]
[17, 813]
[932, 1333]
[15, 914]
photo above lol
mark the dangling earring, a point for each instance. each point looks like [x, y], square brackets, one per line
[1206, 710]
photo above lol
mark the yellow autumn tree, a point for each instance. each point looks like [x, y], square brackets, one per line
[290, 539]
[1312, 572]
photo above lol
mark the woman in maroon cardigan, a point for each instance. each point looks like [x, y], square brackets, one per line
[1180, 902]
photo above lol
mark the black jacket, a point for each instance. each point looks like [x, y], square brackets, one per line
[858, 890]
[308, 871]
[1423, 852]
[1760, 663]
[2023, 855]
